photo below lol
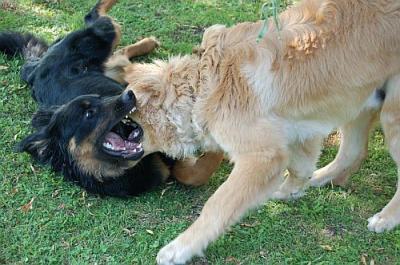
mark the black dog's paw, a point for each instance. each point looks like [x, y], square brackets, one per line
[104, 28]
[91, 18]
[93, 15]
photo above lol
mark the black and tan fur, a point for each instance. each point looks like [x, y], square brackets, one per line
[80, 102]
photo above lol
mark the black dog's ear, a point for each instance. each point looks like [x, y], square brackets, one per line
[28, 71]
[39, 145]
[43, 117]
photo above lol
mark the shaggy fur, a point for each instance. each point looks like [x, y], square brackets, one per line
[269, 104]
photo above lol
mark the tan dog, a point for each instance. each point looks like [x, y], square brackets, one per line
[269, 104]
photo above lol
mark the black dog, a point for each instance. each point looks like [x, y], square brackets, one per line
[82, 128]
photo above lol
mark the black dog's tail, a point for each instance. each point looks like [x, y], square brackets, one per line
[25, 44]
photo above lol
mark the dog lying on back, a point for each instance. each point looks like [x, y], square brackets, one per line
[82, 128]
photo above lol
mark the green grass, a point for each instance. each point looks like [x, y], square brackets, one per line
[65, 225]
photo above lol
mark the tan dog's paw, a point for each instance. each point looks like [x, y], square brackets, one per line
[175, 253]
[320, 178]
[380, 223]
[286, 196]
[292, 188]
[337, 175]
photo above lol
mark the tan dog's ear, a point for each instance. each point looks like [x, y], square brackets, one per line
[145, 81]
[212, 36]
[213, 31]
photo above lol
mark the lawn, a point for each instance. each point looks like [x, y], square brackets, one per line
[64, 225]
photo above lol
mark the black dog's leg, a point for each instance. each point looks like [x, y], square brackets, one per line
[96, 43]
[92, 16]
[103, 27]
[100, 9]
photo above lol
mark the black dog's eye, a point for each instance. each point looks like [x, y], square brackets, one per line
[89, 114]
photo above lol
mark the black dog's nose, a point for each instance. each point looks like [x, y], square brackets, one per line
[128, 96]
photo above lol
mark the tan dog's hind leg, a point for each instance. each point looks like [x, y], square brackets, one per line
[197, 171]
[352, 151]
[303, 159]
[389, 217]
[254, 178]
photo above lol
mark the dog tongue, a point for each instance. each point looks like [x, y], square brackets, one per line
[115, 140]
[119, 144]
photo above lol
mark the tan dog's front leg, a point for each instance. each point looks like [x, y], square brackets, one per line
[254, 178]
[197, 171]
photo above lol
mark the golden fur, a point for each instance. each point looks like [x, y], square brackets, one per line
[269, 104]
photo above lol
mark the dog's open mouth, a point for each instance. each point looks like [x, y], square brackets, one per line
[124, 140]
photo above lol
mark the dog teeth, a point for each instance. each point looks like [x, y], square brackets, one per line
[126, 121]
[108, 146]
[138, 148]
[132, 110]
[126, 117]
